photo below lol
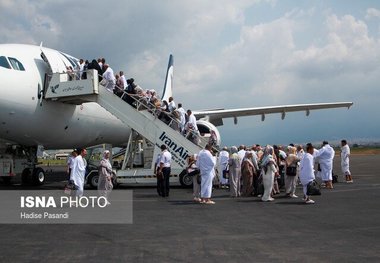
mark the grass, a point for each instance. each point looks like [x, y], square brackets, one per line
[48, 162]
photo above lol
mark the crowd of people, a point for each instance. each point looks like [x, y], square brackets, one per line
[261, 172]
[245, 171]
[167, 111]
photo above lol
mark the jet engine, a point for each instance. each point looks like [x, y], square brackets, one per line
[209, 131]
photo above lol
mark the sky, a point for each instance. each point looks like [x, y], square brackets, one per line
[229, 54]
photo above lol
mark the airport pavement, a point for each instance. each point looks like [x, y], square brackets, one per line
[343, 226]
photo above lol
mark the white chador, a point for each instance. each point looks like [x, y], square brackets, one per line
[268, 170]
[78, 172]
[325, 158]
[306, 171]
[223, 162]
[110, 79]
[344, 159]
[105, 185]
[206, 164]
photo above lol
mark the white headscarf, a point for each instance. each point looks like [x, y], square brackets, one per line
[268, 156]
[106, 161]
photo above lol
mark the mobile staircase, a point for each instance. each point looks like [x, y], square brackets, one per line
[141, 117]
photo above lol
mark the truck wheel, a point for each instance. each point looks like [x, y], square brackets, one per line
[38, 176]
[185, 180]
[93, 180]
[6, 180]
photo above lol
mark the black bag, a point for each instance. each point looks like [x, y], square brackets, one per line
[291, 170]
[334, 178]
[313, 188]
[226, 174]
[195, 172]
[260, 186]
[70, 188]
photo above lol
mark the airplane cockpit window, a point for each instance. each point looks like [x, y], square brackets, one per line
[17, 65]
[4, 62]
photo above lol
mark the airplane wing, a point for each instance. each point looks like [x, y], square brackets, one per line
[216, 116]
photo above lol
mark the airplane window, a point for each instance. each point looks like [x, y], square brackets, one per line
[17, 65]
[4, 62]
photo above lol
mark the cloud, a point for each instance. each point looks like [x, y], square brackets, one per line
[225, 54]
[349, 50]
[372, 13]
[23, 22]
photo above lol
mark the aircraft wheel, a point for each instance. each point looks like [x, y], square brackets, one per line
[26, 176]
[38, 176]
[185, 180]
[93, 180]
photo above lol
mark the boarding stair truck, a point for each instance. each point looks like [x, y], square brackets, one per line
[143, 120]
[6, 168]
[16, 160]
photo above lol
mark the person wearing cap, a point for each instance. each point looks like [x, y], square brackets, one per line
[105, 185]
[164, 170]
[325, 157]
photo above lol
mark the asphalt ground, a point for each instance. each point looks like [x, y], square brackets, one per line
[342, 226]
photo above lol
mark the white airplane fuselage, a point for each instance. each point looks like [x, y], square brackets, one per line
[29, 121]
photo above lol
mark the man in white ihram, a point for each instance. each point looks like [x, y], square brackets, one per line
[206, 164]
[109, 78]
[325, 158]
[78, 172]
[345, 161]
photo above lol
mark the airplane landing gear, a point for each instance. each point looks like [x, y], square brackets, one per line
[38, 177]
[35, 176]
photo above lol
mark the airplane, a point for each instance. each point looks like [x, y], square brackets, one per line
[27, 120]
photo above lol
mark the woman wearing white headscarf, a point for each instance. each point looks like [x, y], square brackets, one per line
[269, 169]
[235, 172]
[105, 176]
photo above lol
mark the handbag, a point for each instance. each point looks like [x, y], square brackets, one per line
[291, 170]
[260, 186]
[69, 188]
[313, 188]
[195, 172]
[226, 172]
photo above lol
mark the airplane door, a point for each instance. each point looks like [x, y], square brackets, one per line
[54, 59]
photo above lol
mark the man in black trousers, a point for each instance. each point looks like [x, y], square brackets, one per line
[164, 171]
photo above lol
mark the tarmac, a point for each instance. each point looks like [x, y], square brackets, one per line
[342, 226]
